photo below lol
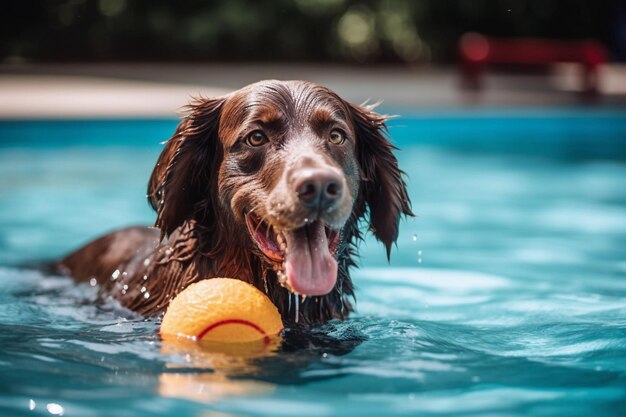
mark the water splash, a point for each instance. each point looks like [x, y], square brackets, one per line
[288, 302]
[55, 409]
[297, 300]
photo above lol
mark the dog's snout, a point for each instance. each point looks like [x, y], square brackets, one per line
[318, 187]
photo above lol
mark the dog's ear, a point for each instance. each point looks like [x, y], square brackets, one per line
[382, 186]
[186, 172]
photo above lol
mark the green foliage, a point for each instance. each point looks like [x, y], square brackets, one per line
[414, 31]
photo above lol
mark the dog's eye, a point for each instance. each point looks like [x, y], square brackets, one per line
[337, 137]
[256, 138]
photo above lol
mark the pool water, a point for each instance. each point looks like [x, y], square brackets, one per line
[505, 296]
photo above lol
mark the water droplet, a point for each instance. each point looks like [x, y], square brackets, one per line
[55, 409]
[146, 295]
[125, 287]
[143, 289]
[306, 220]
[297, 300]
[146, 262]
[414, 238]
[419, 252]
[115, 274]
[31, 405]
[93, 282]
[145, 277]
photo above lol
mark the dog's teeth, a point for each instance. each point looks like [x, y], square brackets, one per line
[280, 239]
[282, 280]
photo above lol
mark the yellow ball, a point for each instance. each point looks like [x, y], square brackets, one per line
[222, 310]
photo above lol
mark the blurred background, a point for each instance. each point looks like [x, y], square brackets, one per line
[428, 51]
[413, 32]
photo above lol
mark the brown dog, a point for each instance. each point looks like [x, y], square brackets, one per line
[266, 185]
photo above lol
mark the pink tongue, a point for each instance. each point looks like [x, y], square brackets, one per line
[310, 267]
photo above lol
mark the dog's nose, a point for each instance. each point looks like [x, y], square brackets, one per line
[318, 187]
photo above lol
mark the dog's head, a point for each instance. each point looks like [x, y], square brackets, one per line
[289, 164]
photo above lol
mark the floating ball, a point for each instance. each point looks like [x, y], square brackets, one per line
[222, 310]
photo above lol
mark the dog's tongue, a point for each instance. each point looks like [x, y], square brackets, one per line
[311, 268]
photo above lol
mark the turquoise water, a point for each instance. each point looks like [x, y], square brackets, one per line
[505, 296]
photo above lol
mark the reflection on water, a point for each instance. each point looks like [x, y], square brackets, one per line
[209, 388]
[207, 372]
[505, 296]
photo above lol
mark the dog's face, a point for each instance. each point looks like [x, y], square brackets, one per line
[290, 163]
[289, 173]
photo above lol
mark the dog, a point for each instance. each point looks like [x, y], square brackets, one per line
[267, 184]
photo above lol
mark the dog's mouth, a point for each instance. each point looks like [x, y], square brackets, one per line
[304, 257]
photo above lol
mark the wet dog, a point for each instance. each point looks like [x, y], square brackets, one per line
[267, 184]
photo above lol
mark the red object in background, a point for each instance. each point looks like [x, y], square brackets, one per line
[477, 52]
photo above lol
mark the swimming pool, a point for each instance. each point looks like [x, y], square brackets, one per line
[506, 294]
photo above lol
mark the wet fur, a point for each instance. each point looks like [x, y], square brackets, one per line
[199, 230]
